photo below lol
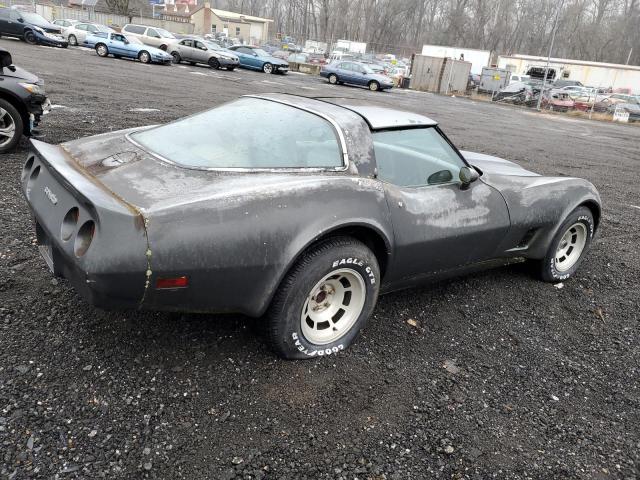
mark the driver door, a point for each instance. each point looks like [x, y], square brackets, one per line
[438, 224]
[201, 52]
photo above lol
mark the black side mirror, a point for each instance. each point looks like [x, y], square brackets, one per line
[468, 175]
[126, 42]
[21, 20]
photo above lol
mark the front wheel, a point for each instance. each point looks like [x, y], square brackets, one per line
[102, 50]
[333, 79]
[267, 68]
[214, 63]
[30, 38]
[568, 247]
[11, 126]
[324, 301]
[73, 41]
[176, 57]
[374, 86]
[144, 57]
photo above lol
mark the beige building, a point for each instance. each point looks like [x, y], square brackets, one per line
[246, 28]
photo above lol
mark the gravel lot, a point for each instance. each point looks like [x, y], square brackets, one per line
[503, 376]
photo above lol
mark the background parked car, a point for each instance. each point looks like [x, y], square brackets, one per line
[30, 27]
[518, 93]
[257, 59]
[22, 102]
[518, 78]
[76, 34]
[65, 23]
[355, 73]
[197, 50]
[557, 100]
[119, 45]
[154, 36]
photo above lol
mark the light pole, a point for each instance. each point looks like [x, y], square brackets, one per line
[546, 68]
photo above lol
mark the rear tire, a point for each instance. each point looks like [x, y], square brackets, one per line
[214, 63]
[568, 247]
[325, 299]
[102, 50]
[11, 126]
[30, 38]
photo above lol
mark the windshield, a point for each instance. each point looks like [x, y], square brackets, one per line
[164, 33]
[247, 133]
[260, 52]
[33, 18]
[133, 39]
[103, 28]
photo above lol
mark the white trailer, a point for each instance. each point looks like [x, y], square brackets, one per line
[478, 58]
[347, 46]
[311, 46]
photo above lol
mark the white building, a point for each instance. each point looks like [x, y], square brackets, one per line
[477, 58]
[592, 74]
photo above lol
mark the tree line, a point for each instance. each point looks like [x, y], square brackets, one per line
[597, 30]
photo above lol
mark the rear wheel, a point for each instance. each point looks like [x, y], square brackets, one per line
[214, 63]
[333, 79]
[73, 41]
[102, 50]
[11, 126]
[324, 301]
[176, 57]
[144, 57]
[568, 247]
[374, 86]
[30, 37]
[267, 68]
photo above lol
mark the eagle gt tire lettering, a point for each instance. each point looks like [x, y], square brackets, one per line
[324, 300]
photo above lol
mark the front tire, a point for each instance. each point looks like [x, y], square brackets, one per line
[30, 38]
[11, 126]
[267, 68]
[324, 300]
[176, 57]
[568, 247]
[374, 86]
[333, 79]
[144, 57]
[73, 41]
[214, 63]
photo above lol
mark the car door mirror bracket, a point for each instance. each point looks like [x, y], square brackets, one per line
[467, 176]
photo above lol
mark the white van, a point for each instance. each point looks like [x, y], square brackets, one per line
[154, 36]
[519, 78]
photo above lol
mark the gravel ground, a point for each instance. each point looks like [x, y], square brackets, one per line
[502, 376]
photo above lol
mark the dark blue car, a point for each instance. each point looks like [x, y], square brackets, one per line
[257, 59]
[30, 27]
[355, 73]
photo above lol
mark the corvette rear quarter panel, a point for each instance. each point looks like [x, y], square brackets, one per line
[236, 247]
[540, 204]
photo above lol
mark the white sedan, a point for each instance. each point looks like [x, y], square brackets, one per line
[76, 34]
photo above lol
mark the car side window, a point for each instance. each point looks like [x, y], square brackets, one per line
[248, 51]
[117, 37]
[152, 33]
[201, 45]
[134, 29]
[15, 16]
[415, 157]
[91, 28]
[187, 43]
[4, 14]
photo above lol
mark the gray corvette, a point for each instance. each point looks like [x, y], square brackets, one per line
[296, 209]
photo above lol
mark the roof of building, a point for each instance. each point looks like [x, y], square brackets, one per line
[568, 61]
[238, 17]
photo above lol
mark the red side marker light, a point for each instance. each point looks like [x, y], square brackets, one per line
[174, 282]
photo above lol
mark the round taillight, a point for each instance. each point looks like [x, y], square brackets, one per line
[69, 223]
[84, 238]
[27, 167]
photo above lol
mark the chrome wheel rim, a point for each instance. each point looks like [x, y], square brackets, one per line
[267, 68]
[333, 306]
[373, 86]
[7, 127]
[571, 246]
[102, 50]
[333, 79]
[144, 57]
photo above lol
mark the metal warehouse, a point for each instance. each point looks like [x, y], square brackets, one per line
[594, 74]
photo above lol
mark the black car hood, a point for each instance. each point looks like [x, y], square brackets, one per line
[21, 74]
[496, 165]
